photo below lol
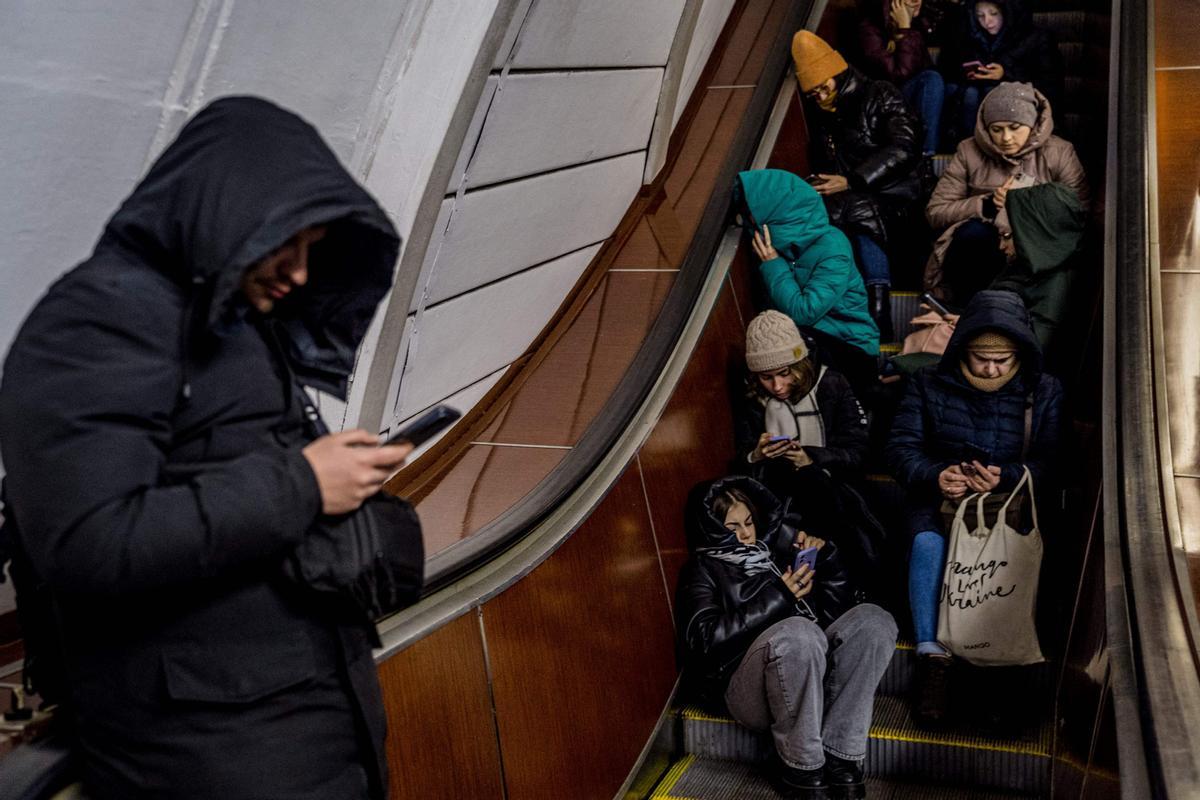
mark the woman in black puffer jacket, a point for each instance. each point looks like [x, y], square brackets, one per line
[961, 428]
[783, 650]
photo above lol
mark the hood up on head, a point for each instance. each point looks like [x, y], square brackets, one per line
[1041, 132]
[791, 208]
[1001, 311]
[1017, 21]
[705, 530]
[242, 178]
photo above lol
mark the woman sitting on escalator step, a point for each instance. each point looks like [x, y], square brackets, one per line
[782, 649]
[801, 432]
[961, 429]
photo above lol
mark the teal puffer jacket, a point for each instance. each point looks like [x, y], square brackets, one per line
[814, 280]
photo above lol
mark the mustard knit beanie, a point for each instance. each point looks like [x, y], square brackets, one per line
[992, 342]
[816, 62]
[773, 342]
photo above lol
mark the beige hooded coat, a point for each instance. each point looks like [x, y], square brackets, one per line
[978, 168]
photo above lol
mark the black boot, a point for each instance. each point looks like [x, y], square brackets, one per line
[880, 306]
[931, 697]
[845, 778]
[793, 782]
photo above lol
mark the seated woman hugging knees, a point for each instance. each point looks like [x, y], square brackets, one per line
[768, 629]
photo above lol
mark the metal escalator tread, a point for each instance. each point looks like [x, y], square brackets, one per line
[695, 778]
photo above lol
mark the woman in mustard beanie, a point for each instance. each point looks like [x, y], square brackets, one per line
[865, 154]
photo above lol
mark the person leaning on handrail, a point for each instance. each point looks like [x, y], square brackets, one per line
[781, 649]
[164, 461]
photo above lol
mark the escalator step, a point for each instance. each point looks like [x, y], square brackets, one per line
[958, 755]
[694, 778]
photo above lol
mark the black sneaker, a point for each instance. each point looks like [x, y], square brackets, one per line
[845, 778]
[931, 695]
[809, 784]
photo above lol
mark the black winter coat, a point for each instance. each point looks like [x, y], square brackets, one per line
[943, 420]
[842, 416]
[871, 137]
[151, 428]
[1028, 53]
[720, 609]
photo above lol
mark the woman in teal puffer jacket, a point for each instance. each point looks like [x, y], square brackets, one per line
[809, 273]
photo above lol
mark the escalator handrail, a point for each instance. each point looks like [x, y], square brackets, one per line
[1156, 687]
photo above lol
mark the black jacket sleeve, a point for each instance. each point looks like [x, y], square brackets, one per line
[711, 632]
[906, 450]
[748, 421]
[1045, 438]
[85, 419]
[899, 150]
[833, 590]
[845, 427]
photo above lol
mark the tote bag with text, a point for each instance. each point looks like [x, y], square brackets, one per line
[989, 586]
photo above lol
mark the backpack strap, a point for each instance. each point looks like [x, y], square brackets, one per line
[1028, 427]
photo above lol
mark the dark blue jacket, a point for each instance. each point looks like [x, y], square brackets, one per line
[943, 420]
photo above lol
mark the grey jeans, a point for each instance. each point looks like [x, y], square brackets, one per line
[814, 689]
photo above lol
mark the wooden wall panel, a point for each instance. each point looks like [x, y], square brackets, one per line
[582, 656]
[441, 736]
[693, 441]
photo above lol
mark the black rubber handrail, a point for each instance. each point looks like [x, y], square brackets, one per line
[1156, 687]
[616, 415]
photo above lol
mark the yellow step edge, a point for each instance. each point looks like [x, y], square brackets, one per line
[890, 348]
[905, 294]
[672, 777]
[973, 743]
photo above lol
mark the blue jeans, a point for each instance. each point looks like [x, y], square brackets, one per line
[968, 97]
[925, 565]
[872, 261]
[926, 93]
[812, 688]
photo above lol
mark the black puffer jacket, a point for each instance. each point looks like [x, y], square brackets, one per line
[720, 609]
[842, 416]
[943, 420]
[871, 137]
[1028, 53]
[152, 433]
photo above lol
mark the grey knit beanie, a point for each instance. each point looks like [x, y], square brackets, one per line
[773, 342]
[1010, 102]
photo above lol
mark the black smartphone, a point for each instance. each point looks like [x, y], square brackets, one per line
[976, 453]
[932, 302]
[424, 427]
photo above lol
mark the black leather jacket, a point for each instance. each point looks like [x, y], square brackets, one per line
[720, 609]
[872, 138]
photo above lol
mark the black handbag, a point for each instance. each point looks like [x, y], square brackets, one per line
[365, 564]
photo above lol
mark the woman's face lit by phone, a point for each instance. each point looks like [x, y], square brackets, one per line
[990, 17]
[990, 364]
[740, 522]
[779, 383]
[1009, 137]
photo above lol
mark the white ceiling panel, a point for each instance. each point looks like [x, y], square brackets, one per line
[713, 15]
[472, 137]
[598, 33]
[549, 120]
[462, 401]
[462, 340]
[503, 229]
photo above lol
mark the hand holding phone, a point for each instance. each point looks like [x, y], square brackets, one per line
[806, 556]
[970, 67]
[426, 426]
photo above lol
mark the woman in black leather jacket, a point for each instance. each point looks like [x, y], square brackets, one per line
[785, 650]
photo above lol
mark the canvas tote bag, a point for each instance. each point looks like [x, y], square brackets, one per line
[989, 587]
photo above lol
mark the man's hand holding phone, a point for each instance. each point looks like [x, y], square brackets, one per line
[828, 184]
[350, 467]
[980, 478]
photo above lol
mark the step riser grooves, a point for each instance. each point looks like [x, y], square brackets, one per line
[959, 765]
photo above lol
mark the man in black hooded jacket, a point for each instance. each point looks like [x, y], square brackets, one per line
[163, 461]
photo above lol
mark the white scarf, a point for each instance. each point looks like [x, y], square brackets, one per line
[800, 420]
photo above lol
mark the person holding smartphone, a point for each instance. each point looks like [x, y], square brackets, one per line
[865, 151]
[960, 429]
[164, 462]
[776, 642]
[802, 432]
[996, 41]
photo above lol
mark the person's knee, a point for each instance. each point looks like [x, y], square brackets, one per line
[930, 80]
[798, 639]
[927, 543]
[870, 623]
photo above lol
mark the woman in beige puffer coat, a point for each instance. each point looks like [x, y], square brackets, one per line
[1013, 147]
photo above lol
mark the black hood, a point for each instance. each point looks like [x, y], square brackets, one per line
[705, 530]
[1001, 311]
[241, 179]
[1017, 22]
